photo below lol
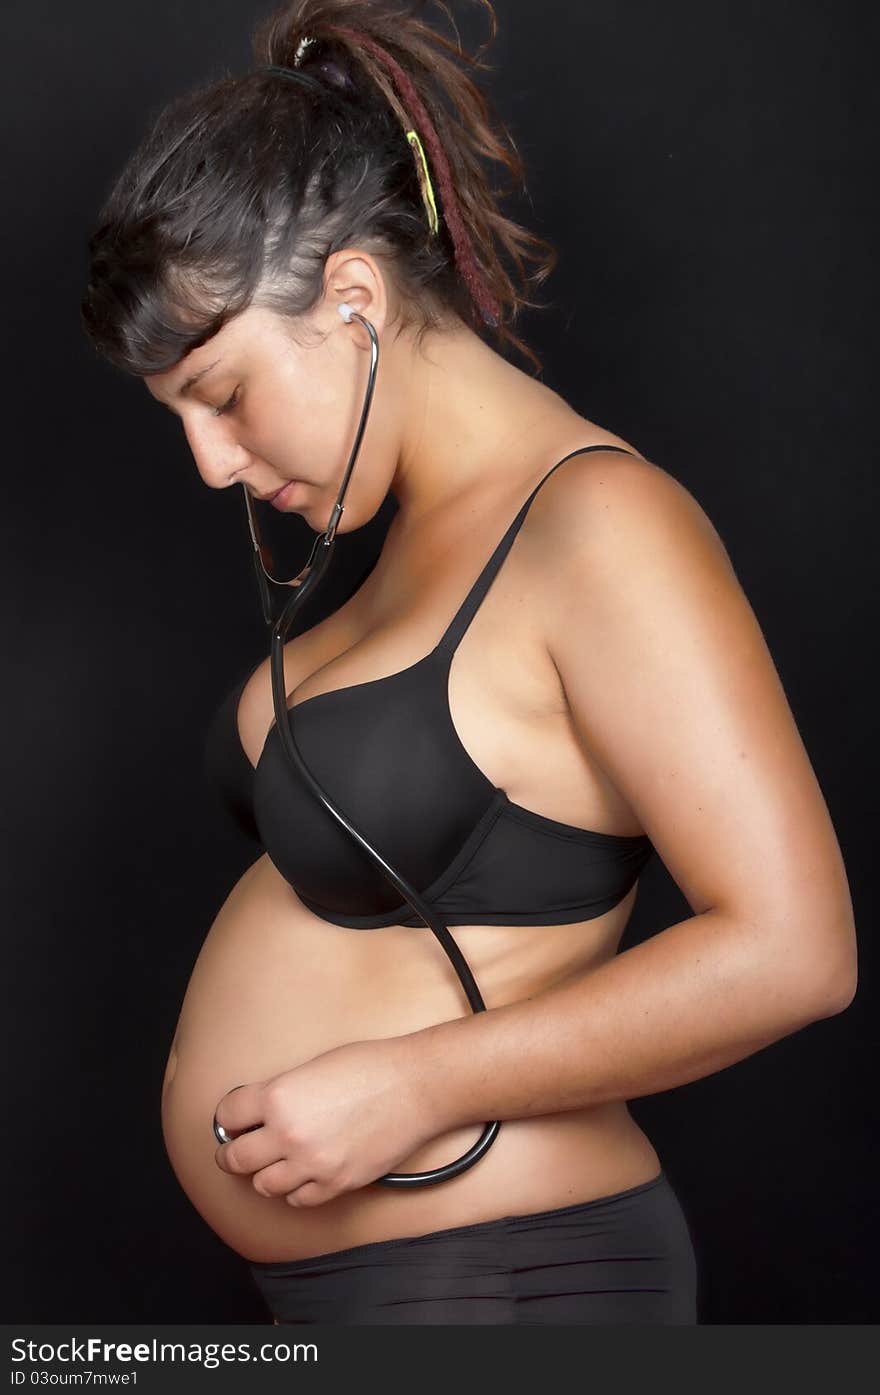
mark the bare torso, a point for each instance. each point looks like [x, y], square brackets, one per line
[274, 986]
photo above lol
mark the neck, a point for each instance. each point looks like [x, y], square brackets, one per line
[471, 422]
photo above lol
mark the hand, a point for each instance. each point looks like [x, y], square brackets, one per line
[329, 1126]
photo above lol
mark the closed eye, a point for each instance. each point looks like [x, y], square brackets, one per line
[227, 406]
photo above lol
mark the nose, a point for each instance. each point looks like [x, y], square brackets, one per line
[219, 457]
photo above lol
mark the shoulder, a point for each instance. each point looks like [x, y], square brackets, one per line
[622, 505]
[620, 543]
[635, 572]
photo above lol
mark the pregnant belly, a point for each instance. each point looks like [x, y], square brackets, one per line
[274, 986]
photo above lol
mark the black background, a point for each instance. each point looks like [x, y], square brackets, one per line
[707, 173]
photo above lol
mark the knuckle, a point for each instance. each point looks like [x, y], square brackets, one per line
[275, 1099]
[324, 1165]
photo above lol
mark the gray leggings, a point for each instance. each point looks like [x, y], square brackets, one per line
[623, 1258]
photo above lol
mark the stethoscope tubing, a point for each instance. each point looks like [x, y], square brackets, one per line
[315, 570]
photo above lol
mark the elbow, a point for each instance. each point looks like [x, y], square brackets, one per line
[835, 978]
[812, 970]
[840, 998]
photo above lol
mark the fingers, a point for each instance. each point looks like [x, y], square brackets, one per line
[301, 1181]
[234, 1117]
[311, 1194]
[281, 1176]
[273, 1174]
[253, 1151]
[253, 1142]
[254, 1148]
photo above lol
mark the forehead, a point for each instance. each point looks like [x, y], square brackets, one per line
[247, 333]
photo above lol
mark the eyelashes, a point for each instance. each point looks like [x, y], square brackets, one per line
[227, 406]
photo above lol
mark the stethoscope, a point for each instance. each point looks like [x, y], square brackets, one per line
[305, 583]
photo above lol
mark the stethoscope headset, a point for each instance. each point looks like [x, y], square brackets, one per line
[305, 584]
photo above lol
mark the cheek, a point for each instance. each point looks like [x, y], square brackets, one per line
[308, 432]
[319, 446]
[308, 448]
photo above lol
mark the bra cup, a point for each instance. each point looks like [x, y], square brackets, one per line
[456, 838]
[416, 801]
[226, 767]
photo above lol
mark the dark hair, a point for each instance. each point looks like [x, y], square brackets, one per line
[243, 187]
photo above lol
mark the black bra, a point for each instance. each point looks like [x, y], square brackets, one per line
[389, 757]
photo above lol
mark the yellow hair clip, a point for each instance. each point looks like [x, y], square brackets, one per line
[425, 181]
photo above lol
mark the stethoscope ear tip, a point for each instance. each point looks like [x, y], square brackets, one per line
[345, 311]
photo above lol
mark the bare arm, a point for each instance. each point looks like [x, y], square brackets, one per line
[689, 1001]
[669, 680]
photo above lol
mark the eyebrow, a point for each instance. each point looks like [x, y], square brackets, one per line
[192, 380]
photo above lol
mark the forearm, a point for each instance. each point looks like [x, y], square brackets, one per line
[691, 1000]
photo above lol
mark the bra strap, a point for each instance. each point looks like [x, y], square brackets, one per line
[474, 598]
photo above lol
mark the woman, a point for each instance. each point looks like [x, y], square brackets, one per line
[550, 670]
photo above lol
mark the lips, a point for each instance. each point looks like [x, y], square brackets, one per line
[267, 498]
[278, 499]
